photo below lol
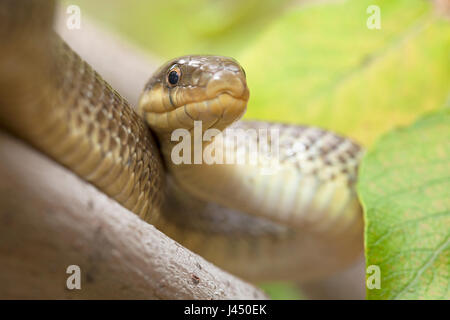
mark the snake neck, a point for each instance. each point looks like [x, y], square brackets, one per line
[295, 187]
[190, 147]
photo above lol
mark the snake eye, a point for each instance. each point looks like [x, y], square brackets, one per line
[174, 75]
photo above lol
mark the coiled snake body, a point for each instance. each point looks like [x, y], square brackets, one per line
[299, 222]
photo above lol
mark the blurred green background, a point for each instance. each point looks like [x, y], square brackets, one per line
[309, 62]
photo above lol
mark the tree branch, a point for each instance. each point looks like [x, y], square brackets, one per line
[50, 219]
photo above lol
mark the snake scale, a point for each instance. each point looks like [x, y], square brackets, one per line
[301, 222]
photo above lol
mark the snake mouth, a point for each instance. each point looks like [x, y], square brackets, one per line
[218, 112]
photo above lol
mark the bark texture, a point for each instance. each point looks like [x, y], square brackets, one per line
[51, 219]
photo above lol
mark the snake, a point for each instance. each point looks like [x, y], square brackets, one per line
[293, 216]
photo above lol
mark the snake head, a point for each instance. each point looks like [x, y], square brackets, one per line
[210, 89]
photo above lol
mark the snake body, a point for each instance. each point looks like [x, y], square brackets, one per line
[300, 222]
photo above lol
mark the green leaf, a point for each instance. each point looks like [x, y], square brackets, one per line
[405, 190]
[320, 65]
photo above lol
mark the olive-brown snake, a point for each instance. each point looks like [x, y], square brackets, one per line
[302, 221]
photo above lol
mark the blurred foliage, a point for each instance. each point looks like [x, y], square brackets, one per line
[322, 66]
[282, 291]
[309, 62]
[404, 186]
[179, 27]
